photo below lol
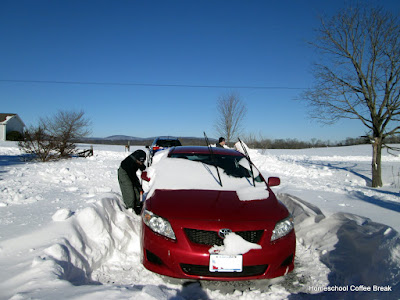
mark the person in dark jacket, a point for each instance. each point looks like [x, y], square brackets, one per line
[129, 183]
[221, 142]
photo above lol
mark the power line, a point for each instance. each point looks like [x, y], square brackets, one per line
[153, 84]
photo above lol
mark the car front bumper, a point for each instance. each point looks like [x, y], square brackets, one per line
[181, 258]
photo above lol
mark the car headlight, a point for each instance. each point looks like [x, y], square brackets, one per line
[282, 228]
[158, 224]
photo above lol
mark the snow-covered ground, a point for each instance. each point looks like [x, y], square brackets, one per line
[65, 234]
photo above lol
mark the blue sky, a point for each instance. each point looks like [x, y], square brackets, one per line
[173, 48]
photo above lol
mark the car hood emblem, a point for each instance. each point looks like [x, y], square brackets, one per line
[222, 233]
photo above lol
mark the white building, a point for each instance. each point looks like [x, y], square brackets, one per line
[8, 123]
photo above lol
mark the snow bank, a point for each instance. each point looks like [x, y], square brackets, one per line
[355, 249]
[92, 236]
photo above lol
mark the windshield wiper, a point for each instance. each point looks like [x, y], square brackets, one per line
[213, 157]
[248, 157]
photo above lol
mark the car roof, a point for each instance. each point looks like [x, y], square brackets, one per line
[166, 138]
[204, 150]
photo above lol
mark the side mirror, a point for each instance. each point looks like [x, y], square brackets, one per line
[144, 176]
[274, 181]
[147, 147]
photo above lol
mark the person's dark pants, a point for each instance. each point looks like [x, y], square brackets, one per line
[130, 193]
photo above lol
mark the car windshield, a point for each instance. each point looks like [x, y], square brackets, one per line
[233, 165]
[168, 143]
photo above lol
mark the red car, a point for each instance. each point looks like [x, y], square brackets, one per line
[209, 214]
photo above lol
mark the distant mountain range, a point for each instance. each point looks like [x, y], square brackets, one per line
[133, 138]
[120, 139]
[126, 138]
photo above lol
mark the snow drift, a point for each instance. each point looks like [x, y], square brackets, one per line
[91, 241]
[356, 250]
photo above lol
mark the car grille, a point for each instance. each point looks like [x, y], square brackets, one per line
[211, 238]
[199, 270]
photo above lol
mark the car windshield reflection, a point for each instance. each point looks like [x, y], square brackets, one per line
[235, 166]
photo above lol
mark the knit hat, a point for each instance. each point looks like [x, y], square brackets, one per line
[140, 155]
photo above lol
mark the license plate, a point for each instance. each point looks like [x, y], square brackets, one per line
[226, 263]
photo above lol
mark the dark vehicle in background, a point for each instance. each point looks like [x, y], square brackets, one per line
[160, 143]
[190, 211]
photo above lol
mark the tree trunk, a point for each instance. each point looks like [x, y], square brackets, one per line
[376, 162]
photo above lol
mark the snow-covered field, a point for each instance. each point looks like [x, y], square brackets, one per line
[64, 233]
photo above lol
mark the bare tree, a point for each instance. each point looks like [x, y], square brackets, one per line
[359, 76]
[65, 127]
[231, 113]
[36, 141]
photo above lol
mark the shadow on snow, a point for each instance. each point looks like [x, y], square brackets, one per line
[361, 196]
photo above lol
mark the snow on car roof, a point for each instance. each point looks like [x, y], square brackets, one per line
[205, 150]
[168, 173]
